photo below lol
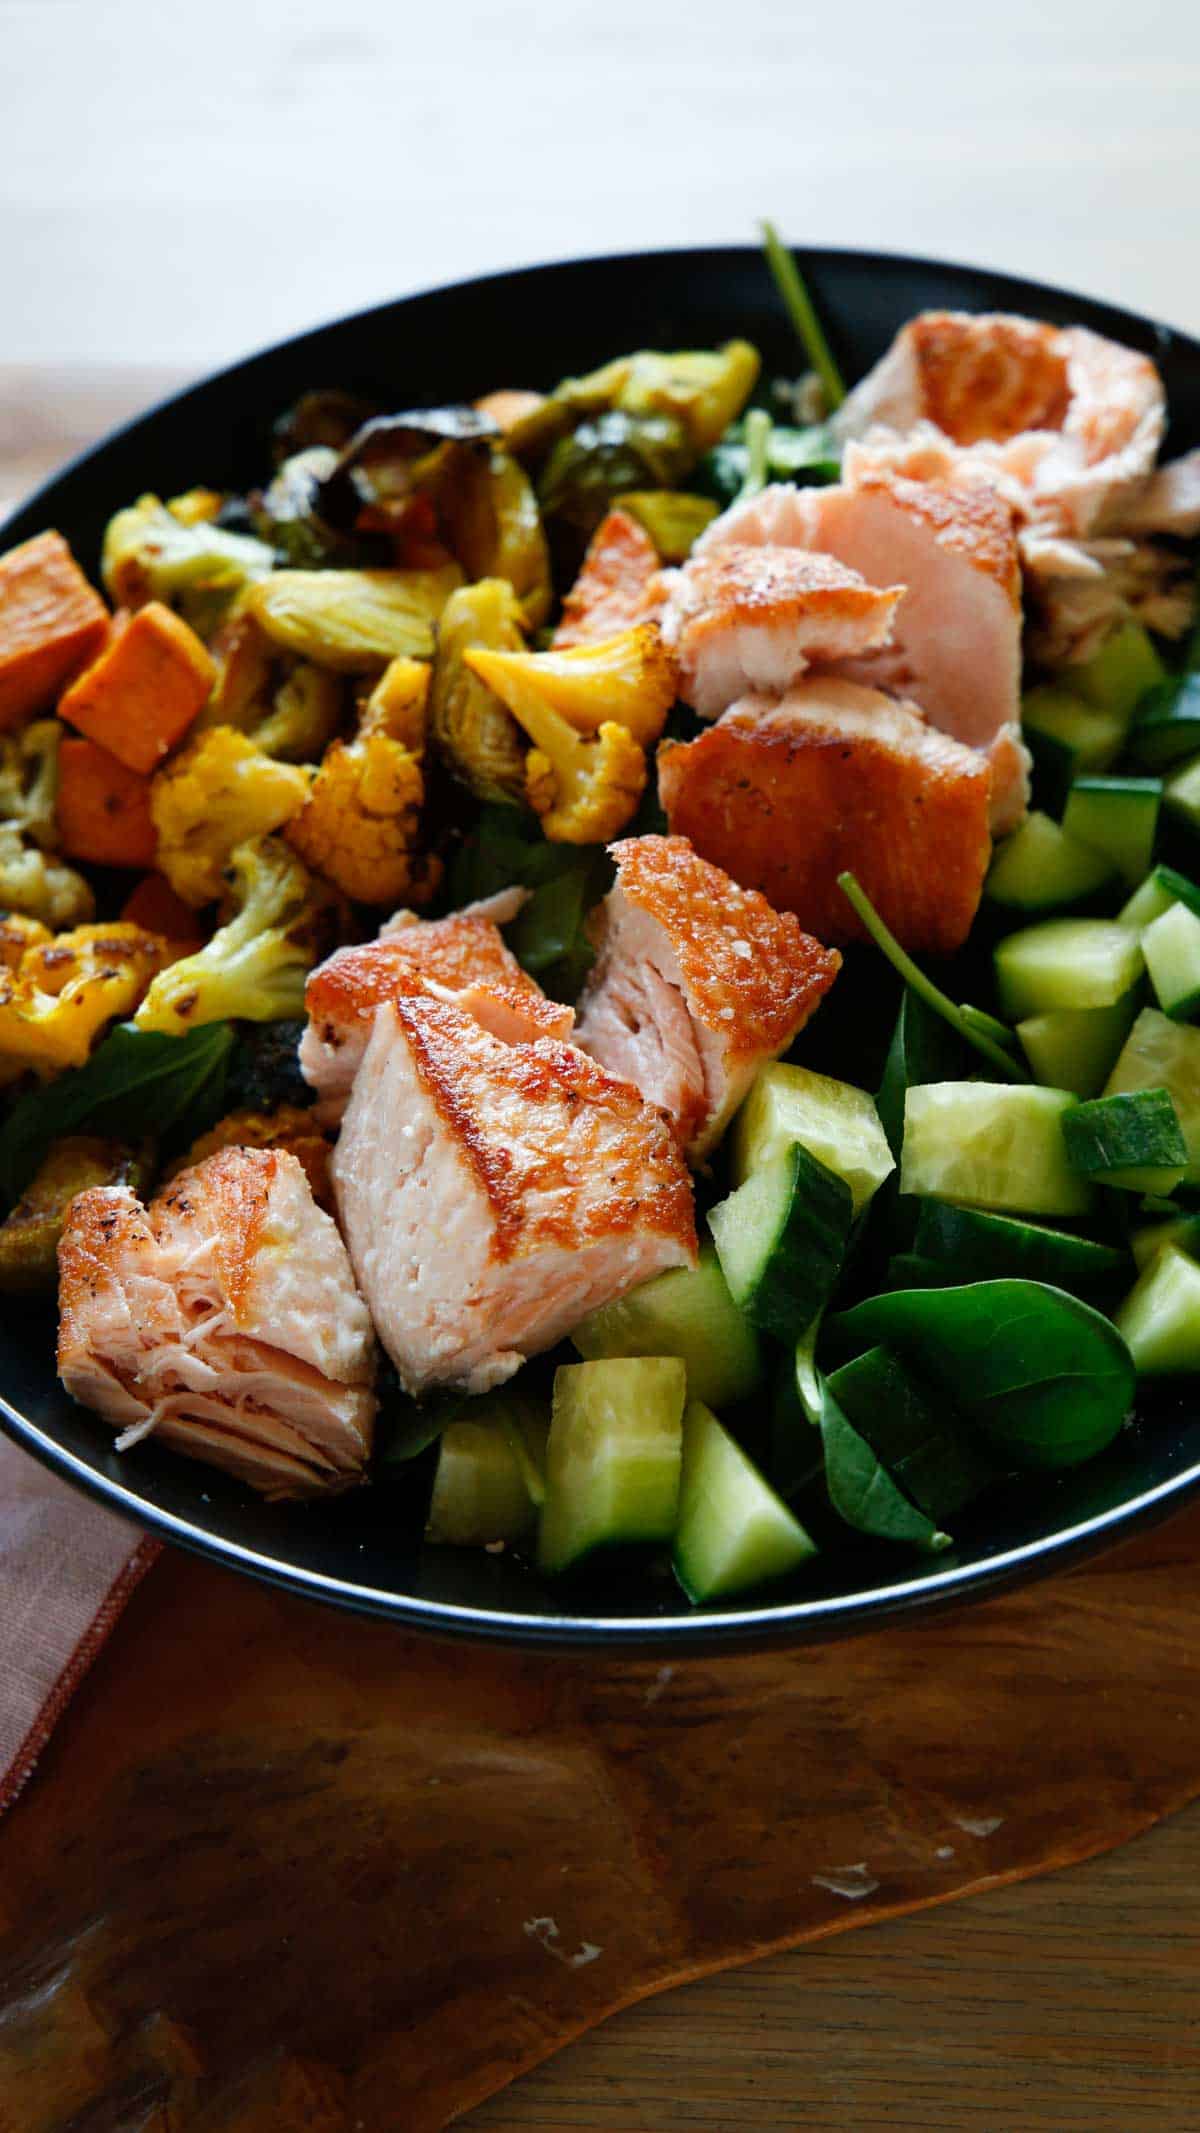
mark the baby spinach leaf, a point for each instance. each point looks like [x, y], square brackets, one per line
[137, 1082]
[506, 849]
[1046, 1378]
[923, 1048]
[747, 457]
[938, 1461]
[862, 1491]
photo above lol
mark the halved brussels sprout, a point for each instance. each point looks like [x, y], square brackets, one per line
[673, 518]
[606, 456]
[702, 389]
[352, 620]
[480, 741]
[149, 554]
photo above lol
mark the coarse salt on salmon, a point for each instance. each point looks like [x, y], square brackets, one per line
[224, 1320]
[697, 984]
[613, 589]
[462, 957]
[492, 1194]
[742, 617]
[786, 794]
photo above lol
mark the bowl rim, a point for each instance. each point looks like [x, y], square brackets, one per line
[712, 1630]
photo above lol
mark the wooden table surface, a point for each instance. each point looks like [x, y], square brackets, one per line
[1052, 2007]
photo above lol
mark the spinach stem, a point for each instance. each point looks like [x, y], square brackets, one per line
[800, 309]
[924, 987]
[757, 433]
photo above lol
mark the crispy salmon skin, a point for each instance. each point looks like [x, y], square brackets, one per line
[696, 985]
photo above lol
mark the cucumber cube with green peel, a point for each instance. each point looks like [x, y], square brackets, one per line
[781, 1239]
[1159, 1320]
[1066, 962]
[688, 1312]
[1041, 868]
[1117, 819]
[1181, 793]
[991, 1145]
[1122, 672]
[1171, 946]
[1167, 726]
[836, 1122]
[1132, 1141]
[1162, 887]
[1161, 1054]
[613, 1457]
[1075, 1047]
[732, 1530]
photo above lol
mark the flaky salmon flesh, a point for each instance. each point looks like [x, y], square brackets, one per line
[786, 793]
[1067, 422]
[696, 985]
[491, 1194]
[743, 617]
[954, 648]
[224, 1320]
[463, 958]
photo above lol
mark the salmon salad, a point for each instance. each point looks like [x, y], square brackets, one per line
[621, 960]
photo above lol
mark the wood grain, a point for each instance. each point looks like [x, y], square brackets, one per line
[284, 1869]
[1062, 2006]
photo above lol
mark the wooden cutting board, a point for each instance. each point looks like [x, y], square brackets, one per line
[282, 1869]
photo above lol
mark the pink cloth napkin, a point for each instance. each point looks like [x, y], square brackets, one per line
[66, 1571]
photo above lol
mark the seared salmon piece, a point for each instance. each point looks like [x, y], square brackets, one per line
[750, 617]
[1069, 422]
[696, 985]
[786, 794]
[613, 589]
[955, 645]
[224, 1320]
[462, 957]
[491, 1194]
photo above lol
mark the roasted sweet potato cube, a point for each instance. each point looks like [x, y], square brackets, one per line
[51, 622]
[103, 807]
[141, 693]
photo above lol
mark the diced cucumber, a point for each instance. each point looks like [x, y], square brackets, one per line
[489, 1479]
[837, 1123]
[993, 1145]
[1075, 1047]
[1160, 1318]
[1116, 818]
[1066, 962]
[1171, 946]
[1122, 672]
[1067, 737]
[926, 1449]
[1041, 868]
[781, 1238]
[975, 1246]
[1132, 1141]
[1181, 793]
[687, 1312]
[1161, 1054]
[1183, 1231]
[1167, 726]
[1162, 887]
[732, 1530]
[614, 1455]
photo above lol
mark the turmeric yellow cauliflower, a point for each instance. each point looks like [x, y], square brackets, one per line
[361, 822]
[585, 773]
[215, 794]
[254, 968]
[63, 991]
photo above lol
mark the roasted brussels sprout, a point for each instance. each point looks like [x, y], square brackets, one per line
[393, 457]
[149, 554]
[479, 741]
[673, 518]
[264, 1067]
[305, 715]
[29, 1237]
[701, 389]
[287, 514]
[352, 621]
[325, 417]
[606, 456]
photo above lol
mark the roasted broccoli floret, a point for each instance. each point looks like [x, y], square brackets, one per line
[254, 967]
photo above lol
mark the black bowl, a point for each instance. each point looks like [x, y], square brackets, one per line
[365, 1551]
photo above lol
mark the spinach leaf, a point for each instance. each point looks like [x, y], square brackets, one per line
[548, 937]
[137, 1082]
[862, 1491]
[744, 456]
[930, 1453]
[923, 1048]
[996, 1042]
[1046, 1378]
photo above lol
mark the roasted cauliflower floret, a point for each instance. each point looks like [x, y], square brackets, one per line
[29, 779]
[39, 886]
[306, 711]
[398, 705]
[360, 824]
[255, 965]
[215, 794]
[470, 727]
[584, 785]
[152, 553]
[628, 680]
[16, 935]
[64, 990]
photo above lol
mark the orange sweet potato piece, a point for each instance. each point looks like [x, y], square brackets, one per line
[51, 622]
[155, 906]
[141, 693]
[103, 807]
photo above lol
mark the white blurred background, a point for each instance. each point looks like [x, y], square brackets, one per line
[182, 182]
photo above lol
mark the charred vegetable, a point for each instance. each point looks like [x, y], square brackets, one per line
[217, 792]
[255, 965]
[352, 621]
[701, 390]
[199, 568]
[477, 738]
[29, 1237]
